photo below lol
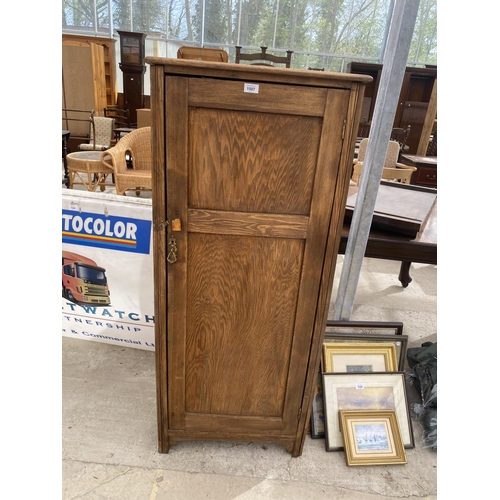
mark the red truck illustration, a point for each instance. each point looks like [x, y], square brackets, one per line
[83, 281]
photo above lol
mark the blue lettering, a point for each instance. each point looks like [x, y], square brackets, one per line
[89, 310]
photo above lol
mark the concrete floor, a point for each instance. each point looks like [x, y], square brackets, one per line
[109, 437]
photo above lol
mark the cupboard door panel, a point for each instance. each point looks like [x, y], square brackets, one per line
[237, 323]
[252, 162]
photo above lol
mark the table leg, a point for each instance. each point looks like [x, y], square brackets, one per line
[65, 161]
[404, 273]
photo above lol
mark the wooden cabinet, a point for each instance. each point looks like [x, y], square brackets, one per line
[89, 74]
[426, 173]
[251, 168]
[416, 93]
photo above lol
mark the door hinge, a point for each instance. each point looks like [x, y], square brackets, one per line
[299, 413]
[343, 129]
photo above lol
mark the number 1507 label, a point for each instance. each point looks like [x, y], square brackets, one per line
[251, 88]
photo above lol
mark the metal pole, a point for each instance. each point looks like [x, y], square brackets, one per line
[398, 48]
[110, 9]
[203, 14]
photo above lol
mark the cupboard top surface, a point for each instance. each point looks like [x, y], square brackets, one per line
[188, 67]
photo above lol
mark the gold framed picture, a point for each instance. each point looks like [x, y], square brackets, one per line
[372, 437]
[359, 357]
[364, 391]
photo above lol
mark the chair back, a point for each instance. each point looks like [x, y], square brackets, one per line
[262, 58]
[392, 170]
[391, 157]
[101, 134]
[121, 116]
[202, 54]
[400, 135]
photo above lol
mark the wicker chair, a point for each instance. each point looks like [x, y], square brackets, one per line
[130, 161]
[392, 171]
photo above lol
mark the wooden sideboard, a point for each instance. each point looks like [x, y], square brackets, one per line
[426, 173]
[251, 169]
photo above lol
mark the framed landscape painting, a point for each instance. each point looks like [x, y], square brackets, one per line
[372, 437]
[364, 391]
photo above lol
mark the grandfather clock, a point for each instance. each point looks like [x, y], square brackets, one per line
[132, 52]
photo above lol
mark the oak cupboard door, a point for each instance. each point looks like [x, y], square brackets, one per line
[248, 182]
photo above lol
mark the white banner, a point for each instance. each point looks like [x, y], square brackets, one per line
[107, 269]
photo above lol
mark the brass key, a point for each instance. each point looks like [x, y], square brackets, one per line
[172, 250]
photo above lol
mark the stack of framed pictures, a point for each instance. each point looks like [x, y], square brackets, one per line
[361, 404]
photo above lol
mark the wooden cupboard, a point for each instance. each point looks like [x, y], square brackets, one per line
[416, 93]
[251, 168]
[89, 72]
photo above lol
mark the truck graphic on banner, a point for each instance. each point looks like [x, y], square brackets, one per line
[83, 281]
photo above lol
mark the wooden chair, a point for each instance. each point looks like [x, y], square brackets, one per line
[202, 54]
[134, 174]
[262, 58]
[123, 124]
[101, 134]
[392, 170]
[121, 116]
[400, 135]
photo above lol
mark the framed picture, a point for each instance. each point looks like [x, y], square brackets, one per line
[365, 327]
[372, 437]
[359, 357]
[317, 414]
[400, 342]
[364, 391]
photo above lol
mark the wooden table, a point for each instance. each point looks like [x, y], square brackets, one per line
[89, 163]
[426, 173]
[391, 246]
[65, 139]
[121, 131]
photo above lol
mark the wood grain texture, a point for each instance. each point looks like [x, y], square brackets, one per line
[237, 323]
[252, 162]
[301, 100]
[236, 223]
[159, 236]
